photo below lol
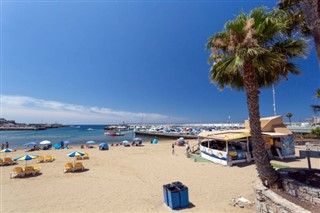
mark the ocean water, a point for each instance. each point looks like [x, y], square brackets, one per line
[77, 134]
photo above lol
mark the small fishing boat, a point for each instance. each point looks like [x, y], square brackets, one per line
[112, 133]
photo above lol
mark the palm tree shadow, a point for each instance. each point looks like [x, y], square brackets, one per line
[244, 164]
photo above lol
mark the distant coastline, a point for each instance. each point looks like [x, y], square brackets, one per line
[11, 125]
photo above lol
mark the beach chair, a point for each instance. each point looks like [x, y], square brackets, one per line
[36, 169]
[79, 158]
[28, 170]
[1, 162]
[85, 156]
[78, 166]
[68, 167]
[17, 172]
[40, 159]
[8, 161]
[49, 158]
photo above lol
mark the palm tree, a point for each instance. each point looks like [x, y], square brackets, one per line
[289, 115]
[248, 54]
[304, 15]
[317, 94]
[316, 107]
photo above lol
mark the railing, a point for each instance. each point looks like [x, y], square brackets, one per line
[195, 148]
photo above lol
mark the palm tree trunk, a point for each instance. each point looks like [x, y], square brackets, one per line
[311, 9]
[316, 37]
[266, 172]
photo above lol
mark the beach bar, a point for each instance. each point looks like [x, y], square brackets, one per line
[235, 146]
[225, 147]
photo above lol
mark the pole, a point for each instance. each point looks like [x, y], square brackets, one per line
[274, 100]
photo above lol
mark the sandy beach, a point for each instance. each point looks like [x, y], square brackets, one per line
[127, 179]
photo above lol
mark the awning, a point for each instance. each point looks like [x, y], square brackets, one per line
[224, 135]
[274, 134]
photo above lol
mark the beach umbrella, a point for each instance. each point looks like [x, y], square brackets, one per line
[26, 158]
[90, 142]
[125, 142]
[45, 142]
[66, 142]
[75, 154]
[105, 146]
[180, 139]
[6, 151]
[30, 144]
[137, 141]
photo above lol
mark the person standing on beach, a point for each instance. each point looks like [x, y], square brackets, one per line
[173, 149]
[7, 144]
[187, 148]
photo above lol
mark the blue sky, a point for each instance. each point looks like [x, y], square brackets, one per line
[100, 62]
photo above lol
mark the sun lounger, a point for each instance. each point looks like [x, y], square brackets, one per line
[68, 167]
[17, 172]
[30, 170]
[36, 169]
[9, 161]
[49, 158]
[1, 162]
[85, 156]
[79, 166]
[40, 159]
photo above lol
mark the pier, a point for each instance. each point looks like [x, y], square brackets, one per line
[11, 125]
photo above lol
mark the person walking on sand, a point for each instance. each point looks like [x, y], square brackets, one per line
[173, 149]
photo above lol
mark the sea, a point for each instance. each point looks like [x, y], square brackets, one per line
[76, 134]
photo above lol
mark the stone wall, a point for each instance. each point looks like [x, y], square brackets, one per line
[269, 202]
[297, 189]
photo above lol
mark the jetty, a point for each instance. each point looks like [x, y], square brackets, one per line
[11, 125]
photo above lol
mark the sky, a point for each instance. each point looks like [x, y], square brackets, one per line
[105, 62]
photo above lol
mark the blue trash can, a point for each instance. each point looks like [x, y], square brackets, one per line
[184, 197]
[165, 193]
[176, 195]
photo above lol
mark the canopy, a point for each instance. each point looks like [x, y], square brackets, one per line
[90, 142]
[224, 135]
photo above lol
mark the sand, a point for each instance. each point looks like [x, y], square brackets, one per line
[127, 179]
